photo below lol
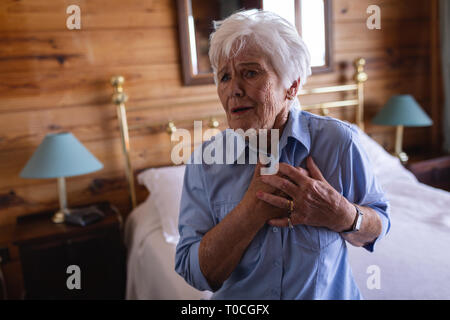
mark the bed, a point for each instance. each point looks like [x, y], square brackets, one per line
[412, 262]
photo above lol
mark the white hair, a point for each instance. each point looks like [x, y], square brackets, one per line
[277, 38]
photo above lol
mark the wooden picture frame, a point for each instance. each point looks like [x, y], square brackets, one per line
[195, 78]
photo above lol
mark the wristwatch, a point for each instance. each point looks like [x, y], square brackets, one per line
[358, 221]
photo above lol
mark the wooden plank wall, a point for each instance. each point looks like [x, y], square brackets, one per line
[54, 79]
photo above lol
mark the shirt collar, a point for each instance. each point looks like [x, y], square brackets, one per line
[297, 127]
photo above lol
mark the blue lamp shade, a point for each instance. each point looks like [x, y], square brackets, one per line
[402, 110]
[60, 155]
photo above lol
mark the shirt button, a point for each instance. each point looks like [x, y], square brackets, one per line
[275, 229]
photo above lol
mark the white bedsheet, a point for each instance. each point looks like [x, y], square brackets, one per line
[413, 259]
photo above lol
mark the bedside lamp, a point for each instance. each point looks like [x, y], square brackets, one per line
[60, 155]
[402, 111]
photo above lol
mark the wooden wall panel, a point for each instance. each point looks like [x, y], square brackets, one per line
[47, 15]
[57, 80]
[350, 10]
[78, 49]
[145, 85]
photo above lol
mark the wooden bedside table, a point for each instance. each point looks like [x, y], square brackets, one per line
[434, 172]
[47, 250]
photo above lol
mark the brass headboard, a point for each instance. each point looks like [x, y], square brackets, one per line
[119, 98]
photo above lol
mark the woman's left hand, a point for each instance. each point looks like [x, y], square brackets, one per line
[316, 202]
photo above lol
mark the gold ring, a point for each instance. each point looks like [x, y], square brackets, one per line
[291, 206]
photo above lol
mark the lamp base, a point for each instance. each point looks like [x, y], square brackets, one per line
[402, 156]
[58, 217]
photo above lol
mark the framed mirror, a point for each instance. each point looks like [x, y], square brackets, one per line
[313, 19]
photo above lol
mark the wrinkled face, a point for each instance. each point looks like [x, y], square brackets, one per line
[251, 92]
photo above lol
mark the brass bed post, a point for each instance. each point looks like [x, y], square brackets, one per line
[358, 101]
[119, 98]
[360, 78]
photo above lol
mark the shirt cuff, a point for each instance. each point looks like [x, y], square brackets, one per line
[384, 229]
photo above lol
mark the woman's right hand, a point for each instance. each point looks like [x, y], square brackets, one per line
[257, 208]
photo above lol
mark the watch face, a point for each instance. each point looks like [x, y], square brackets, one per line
[358, 223]
[359, 220]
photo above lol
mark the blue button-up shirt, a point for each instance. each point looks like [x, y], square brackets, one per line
[281, 263]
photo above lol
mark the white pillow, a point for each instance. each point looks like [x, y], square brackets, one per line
[165, 186]
[377, 154]
[386, 167]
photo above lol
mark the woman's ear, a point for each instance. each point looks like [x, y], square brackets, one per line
[292, 91]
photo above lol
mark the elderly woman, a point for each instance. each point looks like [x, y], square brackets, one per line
[244, 235]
